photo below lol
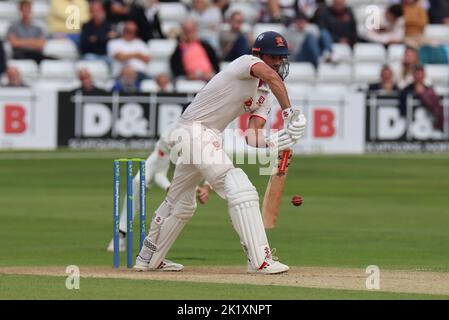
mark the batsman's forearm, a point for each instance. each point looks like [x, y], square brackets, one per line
[279, 90]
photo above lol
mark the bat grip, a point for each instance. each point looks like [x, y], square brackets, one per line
[284, 161]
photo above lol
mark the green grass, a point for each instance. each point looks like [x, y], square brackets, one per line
[387, 210]
[47, 287]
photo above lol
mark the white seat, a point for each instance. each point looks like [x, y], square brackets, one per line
[365, 73]
[301, 72]
[437, 73]
[262, 27]
[172, 12]
[98, 69]
[189, 86]
[61, 49]
[441, 90]
[29, 70]
[334, 88]
[58, 70]
[171, 29]
[56, 85]
[157, 67]
[40, 9]
[4, 25]
[334, 73]
[437, 32]
[342, 52]
[9, 11]
[369, 52]
[247, 9]
[298, 90]
[150, 85]
[161, 48]
[395, 52]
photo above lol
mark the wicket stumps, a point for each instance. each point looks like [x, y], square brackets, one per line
[129, 209]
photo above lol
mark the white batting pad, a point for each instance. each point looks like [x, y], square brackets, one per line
[243, 202]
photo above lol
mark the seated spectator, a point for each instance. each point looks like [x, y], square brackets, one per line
[87, 84]
[14, 79]
[64, 22]
[234, 42]
[164, 83]
[96, 33]
[2, 58]
[439, 12]
[386, 84]
[128, 82]
[27, 40]
[117, 10]
[222, 5]
[393, 31]
[407, 67]
[426, 95]
[416, 19]
[308, 43]
[147, 19]
[193, 58]
[285, 11]
[339, 21]
[129, 50]
[208, 19]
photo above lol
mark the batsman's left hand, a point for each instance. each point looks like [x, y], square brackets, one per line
[294, 123]
[202, 194]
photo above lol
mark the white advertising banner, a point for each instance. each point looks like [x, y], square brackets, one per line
[27, 119]
[336, 124]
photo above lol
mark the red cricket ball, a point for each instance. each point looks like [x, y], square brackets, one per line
[297, 200]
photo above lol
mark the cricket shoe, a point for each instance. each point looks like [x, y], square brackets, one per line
[269, 266]
[165, 265]
[121, 244]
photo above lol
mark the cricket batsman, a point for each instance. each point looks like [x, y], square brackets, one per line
[243, 87]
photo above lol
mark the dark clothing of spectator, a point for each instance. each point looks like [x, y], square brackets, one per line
[176, 62]
[239, 48]
[430, 101]
[379, 87]
[2, 58]
[120, 86]
[94, 38]
[113, 17]
[341, 25]
[94, 91]
[438, 11]
[148, 28]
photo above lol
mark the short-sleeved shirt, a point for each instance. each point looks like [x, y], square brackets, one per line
[231, 93]
[123, 46]
[23, 31]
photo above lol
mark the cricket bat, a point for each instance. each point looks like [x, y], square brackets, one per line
[275, 189]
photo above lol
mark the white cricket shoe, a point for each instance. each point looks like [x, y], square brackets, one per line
[121, 244]
[269, 266]
[165, 265]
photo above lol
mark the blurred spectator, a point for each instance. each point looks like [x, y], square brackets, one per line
[222, 5]
[386, 84]
[128, 82]
[118, 10]
[27, 40]
[129, 50]
[13, 77]
[416, 19]
[285, 11]
[439, 11]
[393, 31]
[66, 18]
[426, 95]
[407, 67]
[2, 59]
[164, 83]
[234, 42]
[208, 18]
[87, 84]
[193, 58]
[147, 19]
[308, 43]
[96, 33]
[338, 19]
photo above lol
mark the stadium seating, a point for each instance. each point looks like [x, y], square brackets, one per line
[28, 69]
[157, 67]
[365, 73]
[437, 32]
[369, 52]
[61, 49]
[342, 52]
[151, 86]
[8, 11]
[174, 11]
[395, 52]
[329, 73]
[58, 70]
[262, 27]
[301, 72]
[161, 49]
[97, 68]
[438, 74]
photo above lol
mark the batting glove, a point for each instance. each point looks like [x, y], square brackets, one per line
[279, 141]
[294, 123]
